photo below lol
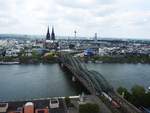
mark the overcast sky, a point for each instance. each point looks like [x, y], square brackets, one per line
[109, 18]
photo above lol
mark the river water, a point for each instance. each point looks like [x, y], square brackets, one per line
[33, 81]
[19, 82]
[125, 75]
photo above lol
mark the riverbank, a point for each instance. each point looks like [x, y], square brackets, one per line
[132, 59]
[28, 60]
[53, 58]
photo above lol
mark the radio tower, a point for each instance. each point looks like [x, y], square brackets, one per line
[95, 38]
[75, 34]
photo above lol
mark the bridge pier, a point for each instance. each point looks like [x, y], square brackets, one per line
[61, 64]
[73, 78]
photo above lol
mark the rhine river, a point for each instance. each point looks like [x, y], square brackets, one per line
[20, 82]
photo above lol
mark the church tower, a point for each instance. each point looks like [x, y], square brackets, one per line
[48, 34]
[52, 34]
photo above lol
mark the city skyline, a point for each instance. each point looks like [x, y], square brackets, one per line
[109, 18]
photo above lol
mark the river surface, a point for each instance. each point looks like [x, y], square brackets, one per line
[33, 81]
[20, 82]
[125, 75]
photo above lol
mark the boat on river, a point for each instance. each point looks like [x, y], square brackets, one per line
[9, 63]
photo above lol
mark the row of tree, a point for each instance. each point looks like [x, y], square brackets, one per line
[123, 59]
[33, 58]
[138, 96]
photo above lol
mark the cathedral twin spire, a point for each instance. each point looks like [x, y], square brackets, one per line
[52, 36]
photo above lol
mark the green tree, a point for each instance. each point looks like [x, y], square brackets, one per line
[120, 90]
[138, 94]
[68, 101]
[147, 100]
[138, 91]
[124, 92]
[49, 57]
[88, 108]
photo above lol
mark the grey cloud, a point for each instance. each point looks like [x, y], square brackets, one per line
[83, 4]
[8, 21]
[103, 16]
[104, 11]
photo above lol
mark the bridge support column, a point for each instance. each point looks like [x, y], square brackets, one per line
[61, 64]
[73, 78]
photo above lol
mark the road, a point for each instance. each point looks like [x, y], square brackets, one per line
[90, 99]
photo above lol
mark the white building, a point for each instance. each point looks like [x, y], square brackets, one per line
[54, 103]
[101, 52]
[3, 107]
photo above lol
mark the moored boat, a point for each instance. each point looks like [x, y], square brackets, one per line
[8, 63]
